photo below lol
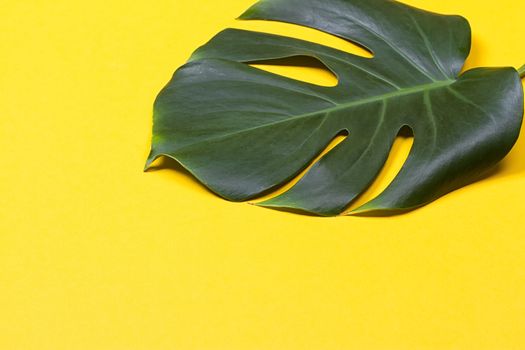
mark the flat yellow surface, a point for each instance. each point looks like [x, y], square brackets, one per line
[95, 254]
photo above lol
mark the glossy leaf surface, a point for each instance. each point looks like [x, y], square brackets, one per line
[243, 131]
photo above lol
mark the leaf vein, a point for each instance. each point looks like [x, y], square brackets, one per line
[427, 44]
[394, 48]
[409, 91]
[465, 99]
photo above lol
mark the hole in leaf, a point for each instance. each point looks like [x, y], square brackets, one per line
[303, 68]
[397, 157]
[304, 33]
[340, 137]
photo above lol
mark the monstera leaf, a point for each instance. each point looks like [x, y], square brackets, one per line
[243, 131]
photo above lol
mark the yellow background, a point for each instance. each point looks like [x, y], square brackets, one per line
[96, 254]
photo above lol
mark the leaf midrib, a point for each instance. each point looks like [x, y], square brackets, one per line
[347, 105]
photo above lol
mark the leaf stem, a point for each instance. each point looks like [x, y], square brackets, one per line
[521, 71]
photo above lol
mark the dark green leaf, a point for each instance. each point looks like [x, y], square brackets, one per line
[242, 131]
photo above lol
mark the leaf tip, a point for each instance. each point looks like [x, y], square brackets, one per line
[372, 208]
[269, 203]
[151, 158]
[364, 209]
[276, 203]
[249, 13]
[521, 71]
